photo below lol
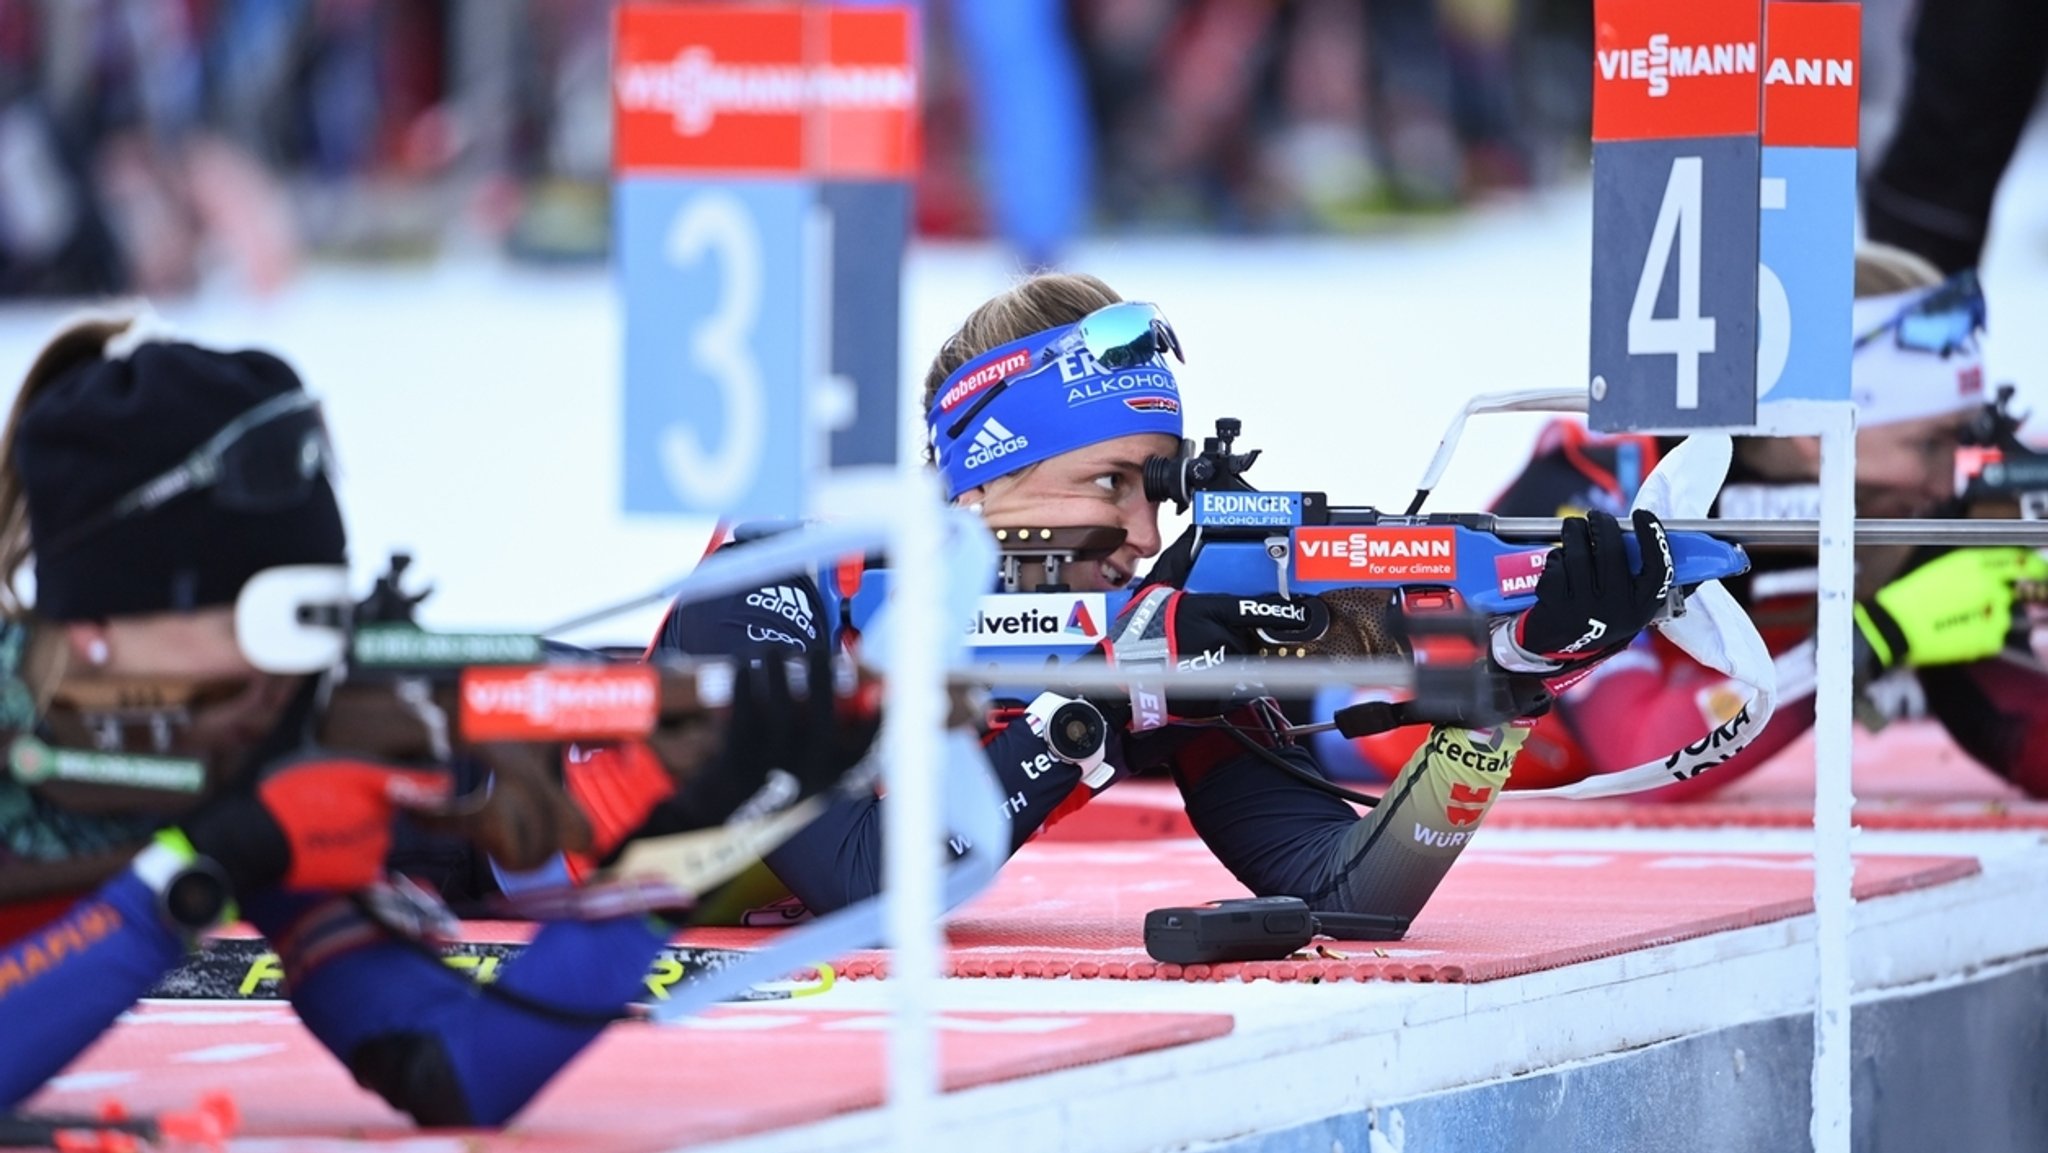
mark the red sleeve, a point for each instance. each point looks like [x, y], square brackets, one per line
[1654, 700]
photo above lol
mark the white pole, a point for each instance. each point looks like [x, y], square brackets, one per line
[1834, 422]
[914, 715]
[1833, 897]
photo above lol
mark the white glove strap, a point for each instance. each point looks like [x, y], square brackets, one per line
[1511, 656]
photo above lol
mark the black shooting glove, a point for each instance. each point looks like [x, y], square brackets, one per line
[1163, 627]
[1175, 563]
[1590, 602]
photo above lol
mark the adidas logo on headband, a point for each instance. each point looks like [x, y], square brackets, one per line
[993, 442]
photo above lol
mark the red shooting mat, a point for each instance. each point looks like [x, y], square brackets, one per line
[1910, 776]
[1077, 911]
[1058, 910]
[639, 1087]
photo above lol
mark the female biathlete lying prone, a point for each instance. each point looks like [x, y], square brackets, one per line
[152, 480]
[1042, 410]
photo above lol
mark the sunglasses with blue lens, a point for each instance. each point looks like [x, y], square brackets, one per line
[1118, 336]
[1943, 321]
[1122, 335]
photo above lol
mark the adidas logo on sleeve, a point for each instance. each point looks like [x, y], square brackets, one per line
[791, 604]
[992, 442]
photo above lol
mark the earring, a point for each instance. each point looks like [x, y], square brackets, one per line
[96, 652]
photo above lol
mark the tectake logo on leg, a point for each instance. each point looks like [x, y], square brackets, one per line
[551, 703]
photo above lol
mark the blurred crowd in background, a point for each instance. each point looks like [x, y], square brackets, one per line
[148, 144]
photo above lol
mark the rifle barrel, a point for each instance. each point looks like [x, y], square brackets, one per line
[1797, 533]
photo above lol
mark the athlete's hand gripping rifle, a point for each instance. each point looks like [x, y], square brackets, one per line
[1293, 543]
[516, 702]
[1379, 574]
[1387, 578]
[388, 690]
[2006, 477]
[1303, 544]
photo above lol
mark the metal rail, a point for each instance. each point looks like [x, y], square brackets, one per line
[1273, 675]
[1797, 533]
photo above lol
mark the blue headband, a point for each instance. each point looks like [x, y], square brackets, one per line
[1033, 399]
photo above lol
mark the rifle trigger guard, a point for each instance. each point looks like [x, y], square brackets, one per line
[1278, 548]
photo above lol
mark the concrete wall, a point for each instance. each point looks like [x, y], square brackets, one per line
[1955, 1067]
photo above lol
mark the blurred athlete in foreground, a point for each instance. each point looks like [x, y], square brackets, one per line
[159, 782]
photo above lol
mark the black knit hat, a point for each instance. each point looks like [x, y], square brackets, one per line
[104, 427]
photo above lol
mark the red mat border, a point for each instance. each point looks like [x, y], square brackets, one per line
[1883, 816]
[617, 1097]
[1344, 962]
[1909, 777]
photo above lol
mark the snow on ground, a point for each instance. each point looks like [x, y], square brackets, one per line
[476, 406]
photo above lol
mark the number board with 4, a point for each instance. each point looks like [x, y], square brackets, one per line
[1676, 159]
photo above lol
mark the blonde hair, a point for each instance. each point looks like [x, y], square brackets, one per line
[1882, 269]
[82, 340]
[1047, 300]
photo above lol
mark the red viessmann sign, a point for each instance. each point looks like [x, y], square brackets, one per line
[559, 702]
[1812, 85]
[1667, 70]
[765, 90]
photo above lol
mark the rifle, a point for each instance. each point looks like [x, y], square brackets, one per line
[2004, 477]
[1435, 577]
[1442, 579]
[388, 690]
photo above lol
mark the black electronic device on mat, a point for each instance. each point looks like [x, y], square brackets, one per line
[1255, 929]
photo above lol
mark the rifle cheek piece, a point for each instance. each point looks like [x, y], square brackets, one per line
[1036, 559]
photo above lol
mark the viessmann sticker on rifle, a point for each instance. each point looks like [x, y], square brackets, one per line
[1389, 554]
[559, 703]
